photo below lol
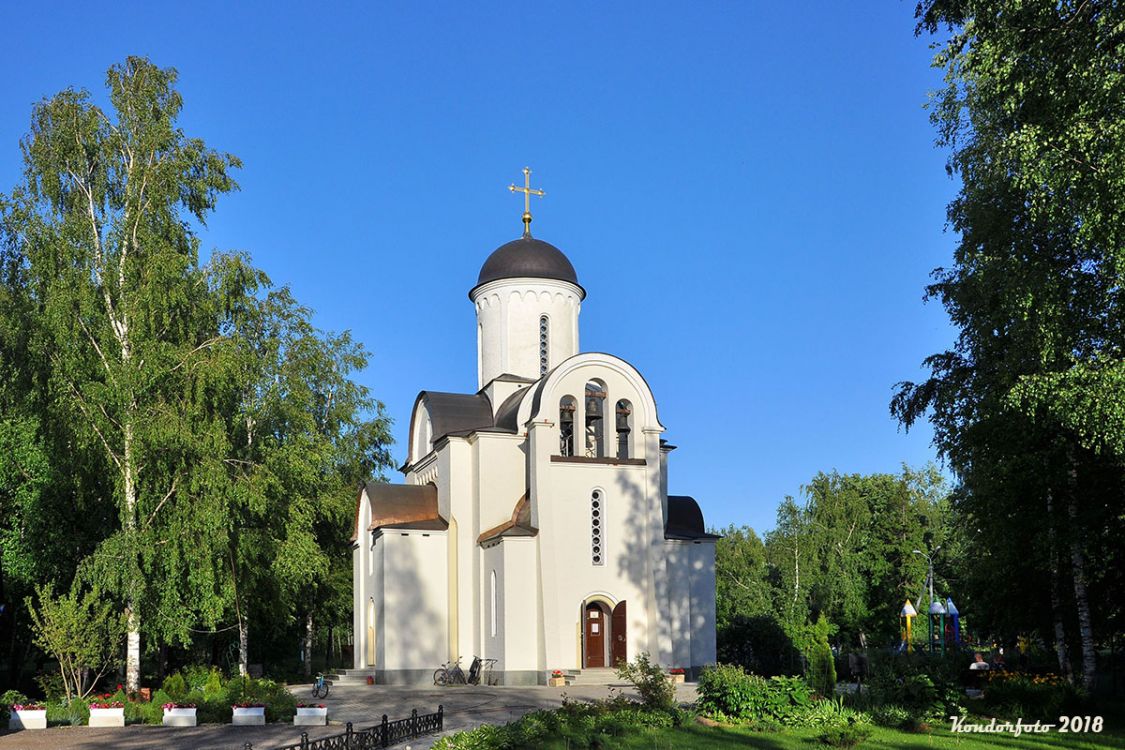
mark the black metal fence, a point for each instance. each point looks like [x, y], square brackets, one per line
[383, 734]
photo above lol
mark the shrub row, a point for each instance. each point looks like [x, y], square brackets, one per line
[581, 725]
[207, 689]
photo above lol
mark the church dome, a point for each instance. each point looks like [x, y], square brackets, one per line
[528, 257]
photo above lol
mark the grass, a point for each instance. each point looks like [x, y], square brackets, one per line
[699, 737]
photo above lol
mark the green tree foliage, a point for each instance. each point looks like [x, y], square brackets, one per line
[209, 436]
[1027, 405]
[845, 554]
[81, 632]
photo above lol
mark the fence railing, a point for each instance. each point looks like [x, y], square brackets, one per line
[383, 734]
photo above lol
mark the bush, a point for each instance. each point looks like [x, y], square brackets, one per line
[656, 690]
[1033, 697]
[175, 686]
[891, 715]
[821, 672]
[583, 724]
[6, 701]
[924, 687]
[846, 734]
[728, 692]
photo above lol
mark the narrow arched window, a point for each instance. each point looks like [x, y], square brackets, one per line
[544, 344]
[595, 419]
[492, 599]
[567, 407]
[597, 529]
[624, 426]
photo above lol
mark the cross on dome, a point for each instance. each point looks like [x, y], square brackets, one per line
[527, 191]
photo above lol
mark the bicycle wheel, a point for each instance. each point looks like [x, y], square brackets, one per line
[314, 690]
[324, 689]
[439, 676]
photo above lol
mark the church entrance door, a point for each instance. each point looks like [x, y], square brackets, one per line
[618, 634]
[596, 624]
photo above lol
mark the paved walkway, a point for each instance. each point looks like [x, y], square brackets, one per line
[363, 705]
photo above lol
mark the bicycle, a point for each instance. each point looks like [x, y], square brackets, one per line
[320, 687]
[488, 665]
[450, 673]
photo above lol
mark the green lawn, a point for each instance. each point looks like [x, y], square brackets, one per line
[705, 738]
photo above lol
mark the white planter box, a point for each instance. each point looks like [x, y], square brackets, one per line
[28, 719]
[107, 717]
[248, 716]
[179, 717]
[311, 717]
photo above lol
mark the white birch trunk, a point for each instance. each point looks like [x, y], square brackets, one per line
[243, 647]
[1056, 594]
[133, 625]
[1078, 572]
[308, 644]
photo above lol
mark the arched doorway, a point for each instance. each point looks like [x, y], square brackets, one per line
[595, 634]
[603, 634]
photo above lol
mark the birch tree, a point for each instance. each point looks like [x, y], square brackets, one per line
[1031, 114]
[102, 224]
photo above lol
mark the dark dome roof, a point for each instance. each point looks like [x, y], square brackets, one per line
[528, 257]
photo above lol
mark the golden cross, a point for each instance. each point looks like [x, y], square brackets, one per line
[527, 191]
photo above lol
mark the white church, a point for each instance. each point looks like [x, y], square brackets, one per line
[534, 526]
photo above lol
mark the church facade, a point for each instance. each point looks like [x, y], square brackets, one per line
[534, 525]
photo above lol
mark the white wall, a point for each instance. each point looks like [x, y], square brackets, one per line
[702, 603]
[508, 313]
[519, 596]
[413, 619]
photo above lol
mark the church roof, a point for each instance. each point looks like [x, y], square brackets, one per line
[527, 257]
[518, 525]
[685, 520]
[457, 413]
[401, 506]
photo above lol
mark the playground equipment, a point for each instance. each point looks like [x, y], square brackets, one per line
[955, 620]
[907, 616]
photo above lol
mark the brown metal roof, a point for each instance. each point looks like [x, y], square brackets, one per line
[400, 506]
[518, 525]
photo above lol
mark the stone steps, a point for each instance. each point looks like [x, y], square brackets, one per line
[596, 676]
[350, 676]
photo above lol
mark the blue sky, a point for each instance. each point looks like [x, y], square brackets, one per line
[749, 192]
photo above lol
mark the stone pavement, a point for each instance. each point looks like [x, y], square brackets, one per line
[364, 705]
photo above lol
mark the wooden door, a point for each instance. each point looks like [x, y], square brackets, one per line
[595, 636]
[618, 634]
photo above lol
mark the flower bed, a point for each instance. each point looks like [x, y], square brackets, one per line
[556, 679]
[180, 715]
[28, 716]
[248, 714]
[676, 674]
[311, 714]
[107, 714]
